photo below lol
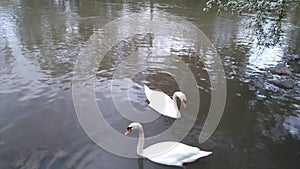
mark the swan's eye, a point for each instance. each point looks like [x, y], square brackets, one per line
[129, 128]
[184, 101]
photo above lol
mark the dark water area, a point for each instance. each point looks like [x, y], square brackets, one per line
[40, 42]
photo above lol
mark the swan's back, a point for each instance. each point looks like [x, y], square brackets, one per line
[173, 153]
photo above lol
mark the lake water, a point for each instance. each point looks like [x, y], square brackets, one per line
[40, 42]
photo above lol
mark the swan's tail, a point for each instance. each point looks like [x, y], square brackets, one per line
[196, 156]
[204, 153]
[148, 91]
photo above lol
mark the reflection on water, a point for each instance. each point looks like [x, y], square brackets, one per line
[39, 44]
[292, 123]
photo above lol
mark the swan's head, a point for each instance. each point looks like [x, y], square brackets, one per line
[132, 126]
[182, 98]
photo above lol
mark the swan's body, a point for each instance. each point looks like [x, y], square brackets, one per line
[169, 152]
[163, 104]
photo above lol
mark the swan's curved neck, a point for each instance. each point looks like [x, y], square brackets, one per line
[141, 141]
[175, 102]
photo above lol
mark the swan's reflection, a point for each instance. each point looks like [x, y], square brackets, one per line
[140, 163]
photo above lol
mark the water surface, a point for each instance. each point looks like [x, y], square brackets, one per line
[41, 40]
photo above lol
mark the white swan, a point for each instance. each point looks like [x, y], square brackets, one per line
[169, 152]
[163, 104]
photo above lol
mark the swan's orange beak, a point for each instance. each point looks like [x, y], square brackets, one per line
[127, 132]
[184, 104]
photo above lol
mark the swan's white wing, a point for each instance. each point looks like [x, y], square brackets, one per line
[173, 153]
[161, 103]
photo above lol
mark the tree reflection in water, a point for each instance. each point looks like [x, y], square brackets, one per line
[267, 17]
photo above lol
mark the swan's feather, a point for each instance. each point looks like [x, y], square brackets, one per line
[161, 103]
[173, 153]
